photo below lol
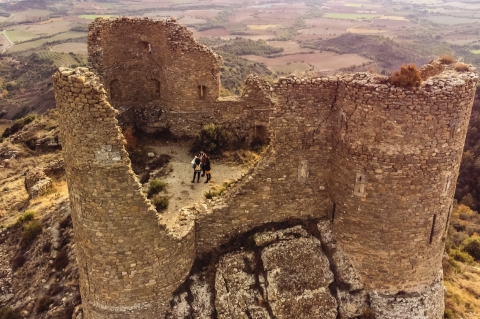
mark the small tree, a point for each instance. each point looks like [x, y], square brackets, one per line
[212, 139]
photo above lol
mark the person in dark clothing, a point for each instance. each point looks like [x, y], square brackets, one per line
[203, 156]
[197, 168]
[207, 168]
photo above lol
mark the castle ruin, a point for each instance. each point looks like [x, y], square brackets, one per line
[378, 162]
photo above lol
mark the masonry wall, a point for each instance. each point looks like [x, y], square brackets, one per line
[394, 166]
[290, 182]
[379, 162]
[128, 264]
[159, 77]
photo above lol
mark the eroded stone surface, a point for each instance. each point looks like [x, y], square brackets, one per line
[236, 286]
[298, 275]
[427, 303]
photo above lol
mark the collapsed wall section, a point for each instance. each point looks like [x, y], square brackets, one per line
[290, 182]
[128, 264]
[394, 167]
[159, 77]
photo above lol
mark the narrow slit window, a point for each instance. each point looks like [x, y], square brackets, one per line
[432, 231]
[342, 119]
[360, 185]
[333, 212]
[447, 184]
[202, 91]
[448, 218]
[453, 127]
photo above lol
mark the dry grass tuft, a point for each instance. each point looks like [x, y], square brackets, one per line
[431, 69]
[446, 59]
[408, 76]
[462, 67]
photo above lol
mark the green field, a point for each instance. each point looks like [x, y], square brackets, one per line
[58, 59]
[475, 51]
[94, 16]
[356, 5]
[20, 36]
[351, 16]
[38, 43]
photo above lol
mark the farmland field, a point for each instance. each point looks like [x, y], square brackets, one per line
[365, 31]
[75, 47]
[476, 51]
[29, 15]
[38, 43]
[322, 61]
[58, 59]
[20, 35]
[43, 29]
[351, 16]
[94, 16]
[448, 20]
[262, 26]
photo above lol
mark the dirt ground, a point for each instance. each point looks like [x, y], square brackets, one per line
[180, 189]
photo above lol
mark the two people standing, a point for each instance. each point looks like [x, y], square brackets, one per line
[201, 163]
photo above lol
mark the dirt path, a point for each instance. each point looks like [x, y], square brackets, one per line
[180, 190]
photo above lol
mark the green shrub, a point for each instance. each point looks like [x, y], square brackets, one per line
[155, 187]
[30, 232]
[26, 217]
[448, 314]
[212, 139]
[210, 194]
[160, 203]
[18, 125]
[9, 313]
[472, 247]
[462, 256]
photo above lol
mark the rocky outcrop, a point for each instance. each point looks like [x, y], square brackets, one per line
[285, 273]
[37, 183]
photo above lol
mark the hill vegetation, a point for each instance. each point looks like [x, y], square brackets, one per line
[387, 53]
[241, 46]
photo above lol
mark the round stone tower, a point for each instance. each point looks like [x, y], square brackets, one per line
[394, 166]
[128, 264]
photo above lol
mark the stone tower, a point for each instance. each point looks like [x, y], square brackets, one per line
[128, 263]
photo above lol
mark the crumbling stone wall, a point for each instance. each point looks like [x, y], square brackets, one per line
[159, 77]
[128, 263]
[379, 162]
